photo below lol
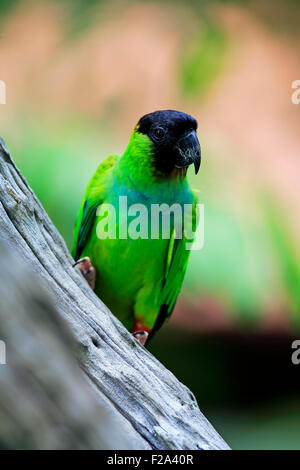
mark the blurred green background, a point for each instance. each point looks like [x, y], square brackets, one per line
[79, 74]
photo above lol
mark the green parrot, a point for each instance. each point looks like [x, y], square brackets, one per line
[139, 277]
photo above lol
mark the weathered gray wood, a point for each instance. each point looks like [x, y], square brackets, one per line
[160, 410]
[45, 399]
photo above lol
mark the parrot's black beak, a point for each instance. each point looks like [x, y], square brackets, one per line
[188, 151]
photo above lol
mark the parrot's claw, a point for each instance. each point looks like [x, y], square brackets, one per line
[141, 336]
[87, 270]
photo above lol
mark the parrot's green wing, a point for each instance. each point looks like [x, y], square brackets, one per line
[92, 199]
[176, 264]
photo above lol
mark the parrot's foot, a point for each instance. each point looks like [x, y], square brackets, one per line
[141, 336]
[87, 270]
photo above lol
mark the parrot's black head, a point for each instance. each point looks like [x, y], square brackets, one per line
[173, 134]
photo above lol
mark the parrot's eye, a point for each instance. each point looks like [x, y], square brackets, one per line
[159, 133]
